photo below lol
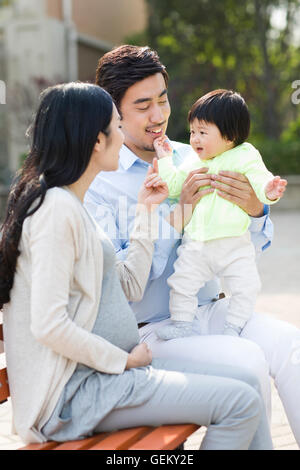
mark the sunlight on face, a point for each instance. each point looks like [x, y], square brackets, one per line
[207, 141]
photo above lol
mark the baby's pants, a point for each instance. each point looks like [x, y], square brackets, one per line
[232, 259]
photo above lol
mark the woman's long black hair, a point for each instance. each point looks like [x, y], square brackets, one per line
[64, 133]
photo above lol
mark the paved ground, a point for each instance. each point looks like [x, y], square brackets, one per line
[279, 268]
[280, 273]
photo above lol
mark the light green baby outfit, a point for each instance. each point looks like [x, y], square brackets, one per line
[215, 217]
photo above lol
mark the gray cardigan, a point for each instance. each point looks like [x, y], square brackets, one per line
[54, 303]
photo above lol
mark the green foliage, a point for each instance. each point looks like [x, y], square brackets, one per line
[292, 132]
[2, 175]
[22, 159]
[230, 44]
[281, 158]
[5, 3]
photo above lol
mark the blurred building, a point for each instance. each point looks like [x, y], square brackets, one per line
[43, 42]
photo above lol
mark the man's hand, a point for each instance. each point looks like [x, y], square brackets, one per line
[235, 187]
[190, 195]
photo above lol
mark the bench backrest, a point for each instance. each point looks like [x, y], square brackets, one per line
[4, 388]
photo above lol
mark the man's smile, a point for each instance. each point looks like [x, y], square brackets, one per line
[155, 131]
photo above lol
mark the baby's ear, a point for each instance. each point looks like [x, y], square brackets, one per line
[229, 143]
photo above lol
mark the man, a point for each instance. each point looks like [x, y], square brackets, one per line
[138, 83]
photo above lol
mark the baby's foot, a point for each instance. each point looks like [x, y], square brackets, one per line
[177, 329]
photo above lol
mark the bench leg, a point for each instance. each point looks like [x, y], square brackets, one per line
[181, 447]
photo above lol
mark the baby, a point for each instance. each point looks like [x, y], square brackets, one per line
[216, 241]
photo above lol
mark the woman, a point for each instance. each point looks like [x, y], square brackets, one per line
[74, 363]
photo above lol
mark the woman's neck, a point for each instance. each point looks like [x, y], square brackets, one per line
[80, 187]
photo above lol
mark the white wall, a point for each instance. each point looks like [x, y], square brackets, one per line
[34, 46]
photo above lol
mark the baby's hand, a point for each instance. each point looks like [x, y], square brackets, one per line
[163, 147]
[275, 188]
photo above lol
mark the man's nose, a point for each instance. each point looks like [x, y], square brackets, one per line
[157, 115]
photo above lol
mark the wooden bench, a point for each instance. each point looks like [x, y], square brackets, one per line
[140, 438]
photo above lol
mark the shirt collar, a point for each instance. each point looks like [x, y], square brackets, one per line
[128, 158]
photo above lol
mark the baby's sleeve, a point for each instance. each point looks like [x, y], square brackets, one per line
[172, 175]
[258, 175]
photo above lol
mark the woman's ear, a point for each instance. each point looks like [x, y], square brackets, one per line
[99, 142]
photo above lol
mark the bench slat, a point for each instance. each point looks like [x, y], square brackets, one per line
[45, 446]
[4, 388]
[165, 437]
[82, 444]
[122, 440]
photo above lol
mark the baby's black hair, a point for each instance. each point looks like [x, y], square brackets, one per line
[227, 110]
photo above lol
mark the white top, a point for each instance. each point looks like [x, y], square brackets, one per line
[54, 303]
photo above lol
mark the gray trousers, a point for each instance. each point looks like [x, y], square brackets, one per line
[224, 399]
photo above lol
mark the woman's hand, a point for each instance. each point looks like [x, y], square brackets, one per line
[154, 190]
[140, 356]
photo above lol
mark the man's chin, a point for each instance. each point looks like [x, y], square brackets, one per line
[149, 149]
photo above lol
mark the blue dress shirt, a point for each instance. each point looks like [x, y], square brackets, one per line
[111, 200]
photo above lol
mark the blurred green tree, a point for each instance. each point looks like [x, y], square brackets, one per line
[228, 44]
